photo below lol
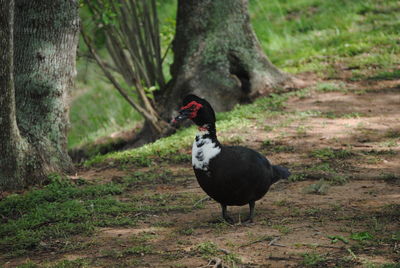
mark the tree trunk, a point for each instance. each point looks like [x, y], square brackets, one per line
[217, 56]
[12, 146]
[45, 41]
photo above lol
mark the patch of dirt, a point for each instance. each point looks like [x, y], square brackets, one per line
[118, 232]
[292, 228]
[100, 174]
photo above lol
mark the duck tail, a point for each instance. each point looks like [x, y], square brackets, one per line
[280, 173]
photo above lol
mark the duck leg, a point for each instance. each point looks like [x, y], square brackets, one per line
[252, 204]
[225, 214]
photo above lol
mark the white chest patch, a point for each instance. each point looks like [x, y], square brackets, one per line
[203, 150]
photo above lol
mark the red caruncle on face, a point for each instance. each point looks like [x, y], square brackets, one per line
[194, 107]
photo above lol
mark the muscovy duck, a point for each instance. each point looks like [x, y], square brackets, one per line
[231, 175]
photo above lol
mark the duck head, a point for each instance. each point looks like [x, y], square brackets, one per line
[196, 109]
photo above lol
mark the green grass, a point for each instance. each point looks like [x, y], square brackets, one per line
[61, 209]
[391, 265]
[147, 154]
[51, 216]
[321, 188]
[362, 236]
[278, 148]
[313, 35]
[327, 154]
[140, 177]
[187, 231]
[336, 238]
[282, 229]
[327, 175]
[334, 115]
[329, 87]
[207, 249]
[312, 259]
[387, 75]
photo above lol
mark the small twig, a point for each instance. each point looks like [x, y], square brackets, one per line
[201, 201]
[273, 242]
[278, 245]
[262, 239]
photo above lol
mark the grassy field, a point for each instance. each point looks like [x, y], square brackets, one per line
[339, 137]
[326, 36]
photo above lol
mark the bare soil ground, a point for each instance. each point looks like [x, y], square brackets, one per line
[349, 219]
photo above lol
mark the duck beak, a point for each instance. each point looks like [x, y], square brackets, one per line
[183, 115]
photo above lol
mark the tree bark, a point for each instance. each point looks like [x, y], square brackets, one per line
[12, 146]
[45, 41]
[217, 56]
